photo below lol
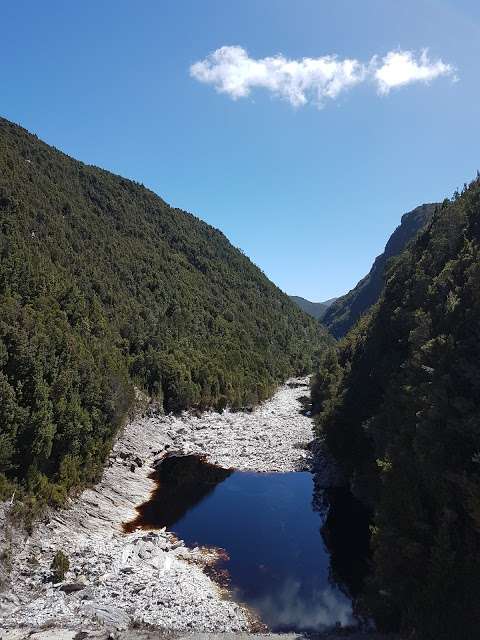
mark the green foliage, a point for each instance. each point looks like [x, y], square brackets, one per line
[60, 565]
[103, 286]
[405, 423]
[327, 381]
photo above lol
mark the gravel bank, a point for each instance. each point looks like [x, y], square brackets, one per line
[148, 578]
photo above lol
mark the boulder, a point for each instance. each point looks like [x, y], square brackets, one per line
[108, 615]
[71, 587]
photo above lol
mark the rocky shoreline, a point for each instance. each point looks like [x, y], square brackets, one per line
[150, 579]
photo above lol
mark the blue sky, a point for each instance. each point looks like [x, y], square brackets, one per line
[310, 194]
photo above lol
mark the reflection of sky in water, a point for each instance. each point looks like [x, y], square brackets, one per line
[278, 562]
[289, 607]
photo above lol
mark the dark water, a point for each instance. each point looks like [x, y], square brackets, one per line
[279, 562]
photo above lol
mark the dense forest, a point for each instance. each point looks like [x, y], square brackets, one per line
[345, 311]
[103, 286]
[399, 404]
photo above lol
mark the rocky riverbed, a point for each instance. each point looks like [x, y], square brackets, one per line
[119, 580]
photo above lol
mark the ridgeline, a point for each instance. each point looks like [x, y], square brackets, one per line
[345, 311]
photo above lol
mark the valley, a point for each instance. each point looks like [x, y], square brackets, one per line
[240, 320]
[185, 449]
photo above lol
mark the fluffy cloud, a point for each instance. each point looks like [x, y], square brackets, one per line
[399, 68]
[232, 71]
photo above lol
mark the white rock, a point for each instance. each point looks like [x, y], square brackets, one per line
[108, 615]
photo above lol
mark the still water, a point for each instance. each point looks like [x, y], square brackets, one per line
[278, 560]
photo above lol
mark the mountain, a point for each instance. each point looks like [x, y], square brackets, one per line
[315, 309]
[104, 286]
[398, 402]
[347, 309]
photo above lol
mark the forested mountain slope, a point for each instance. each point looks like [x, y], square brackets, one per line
[399, 404]
[315, 309]
[103, 285]
[346, 310]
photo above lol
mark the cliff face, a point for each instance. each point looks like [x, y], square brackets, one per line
[347, 309]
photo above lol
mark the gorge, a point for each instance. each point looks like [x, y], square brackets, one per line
[158, 394]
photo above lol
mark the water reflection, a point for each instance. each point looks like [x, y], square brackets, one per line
[289, 608]
[346, 533]
[182, 482]
[278, 562]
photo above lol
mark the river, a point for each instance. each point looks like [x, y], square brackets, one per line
[274, 536]
[271, 515]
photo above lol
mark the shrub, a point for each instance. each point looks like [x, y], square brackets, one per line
[60, 565]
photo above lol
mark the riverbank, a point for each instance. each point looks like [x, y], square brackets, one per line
[135, 634]
[119, 580]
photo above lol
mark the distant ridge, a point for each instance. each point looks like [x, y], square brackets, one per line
[315, 309]
[346, 310]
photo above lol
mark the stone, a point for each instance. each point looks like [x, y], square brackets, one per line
[71, 587]
[108, 615]
[54, 634]
[129, 570]
[87, 594]
[8, 602]
[177, 544]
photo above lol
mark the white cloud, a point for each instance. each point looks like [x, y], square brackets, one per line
[399, 68]
[232, 71]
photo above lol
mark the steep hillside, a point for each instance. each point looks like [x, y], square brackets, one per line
[315, 309]
[347, 309]
[103, 285]
[399, 404]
